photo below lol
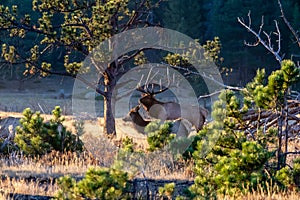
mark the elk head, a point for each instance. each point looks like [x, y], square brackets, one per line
[137, 118]
[148, 97]
[148, 91]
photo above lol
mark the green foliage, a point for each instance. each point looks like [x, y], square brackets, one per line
[230, 159]
[101, 183]
[232, 164]
[289, 177]
[296, 172]
[140, 59]
[291, 73]
[240, 167]
[78, 25]
[127, 144]
[213, 50]
[30, 134]
[54, 37]
[35, 136]
[128, 158]
[179, 146]
[271, 95]
[68, 189]
[284, 176]
[159, 135]
[167, 191]
[257, 89]
[177, 60]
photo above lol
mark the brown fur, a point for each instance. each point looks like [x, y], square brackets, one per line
[180, 126]
[171, 111]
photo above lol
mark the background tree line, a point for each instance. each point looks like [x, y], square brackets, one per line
[204, 20]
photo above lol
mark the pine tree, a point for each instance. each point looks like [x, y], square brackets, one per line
[36, 137]
[99, 183]
[69, 31]
[234, 153]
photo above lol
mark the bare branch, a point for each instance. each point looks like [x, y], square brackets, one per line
[267, 44]
[279, 37]
[209, 78]
[295, 152]
[261, 24]
[126, 58]
[288, 24]
[209, 95]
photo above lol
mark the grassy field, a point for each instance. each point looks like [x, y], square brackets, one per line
[37, 175]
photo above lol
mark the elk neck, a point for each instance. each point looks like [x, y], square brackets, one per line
[148, 101]
[137, 118]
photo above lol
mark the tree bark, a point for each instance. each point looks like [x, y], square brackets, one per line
[109, 118]
[280, 153]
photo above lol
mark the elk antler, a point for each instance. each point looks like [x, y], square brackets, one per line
[148, 87]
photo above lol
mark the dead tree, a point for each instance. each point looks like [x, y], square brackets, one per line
[285, 112]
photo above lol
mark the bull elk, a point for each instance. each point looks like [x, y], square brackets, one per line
[181, 127]
[170, 110]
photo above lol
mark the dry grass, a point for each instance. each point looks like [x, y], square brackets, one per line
[102, 151]
[49, 167]
[155, 165]
[53, 165]
[293, 195]
[20, 169]
[22, 186]
[263, 196]
[272, 192]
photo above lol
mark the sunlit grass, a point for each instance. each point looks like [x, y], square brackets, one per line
[36, 175]
[16, 186]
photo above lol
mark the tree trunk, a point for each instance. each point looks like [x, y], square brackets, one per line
[109, 118]
[280, 153]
